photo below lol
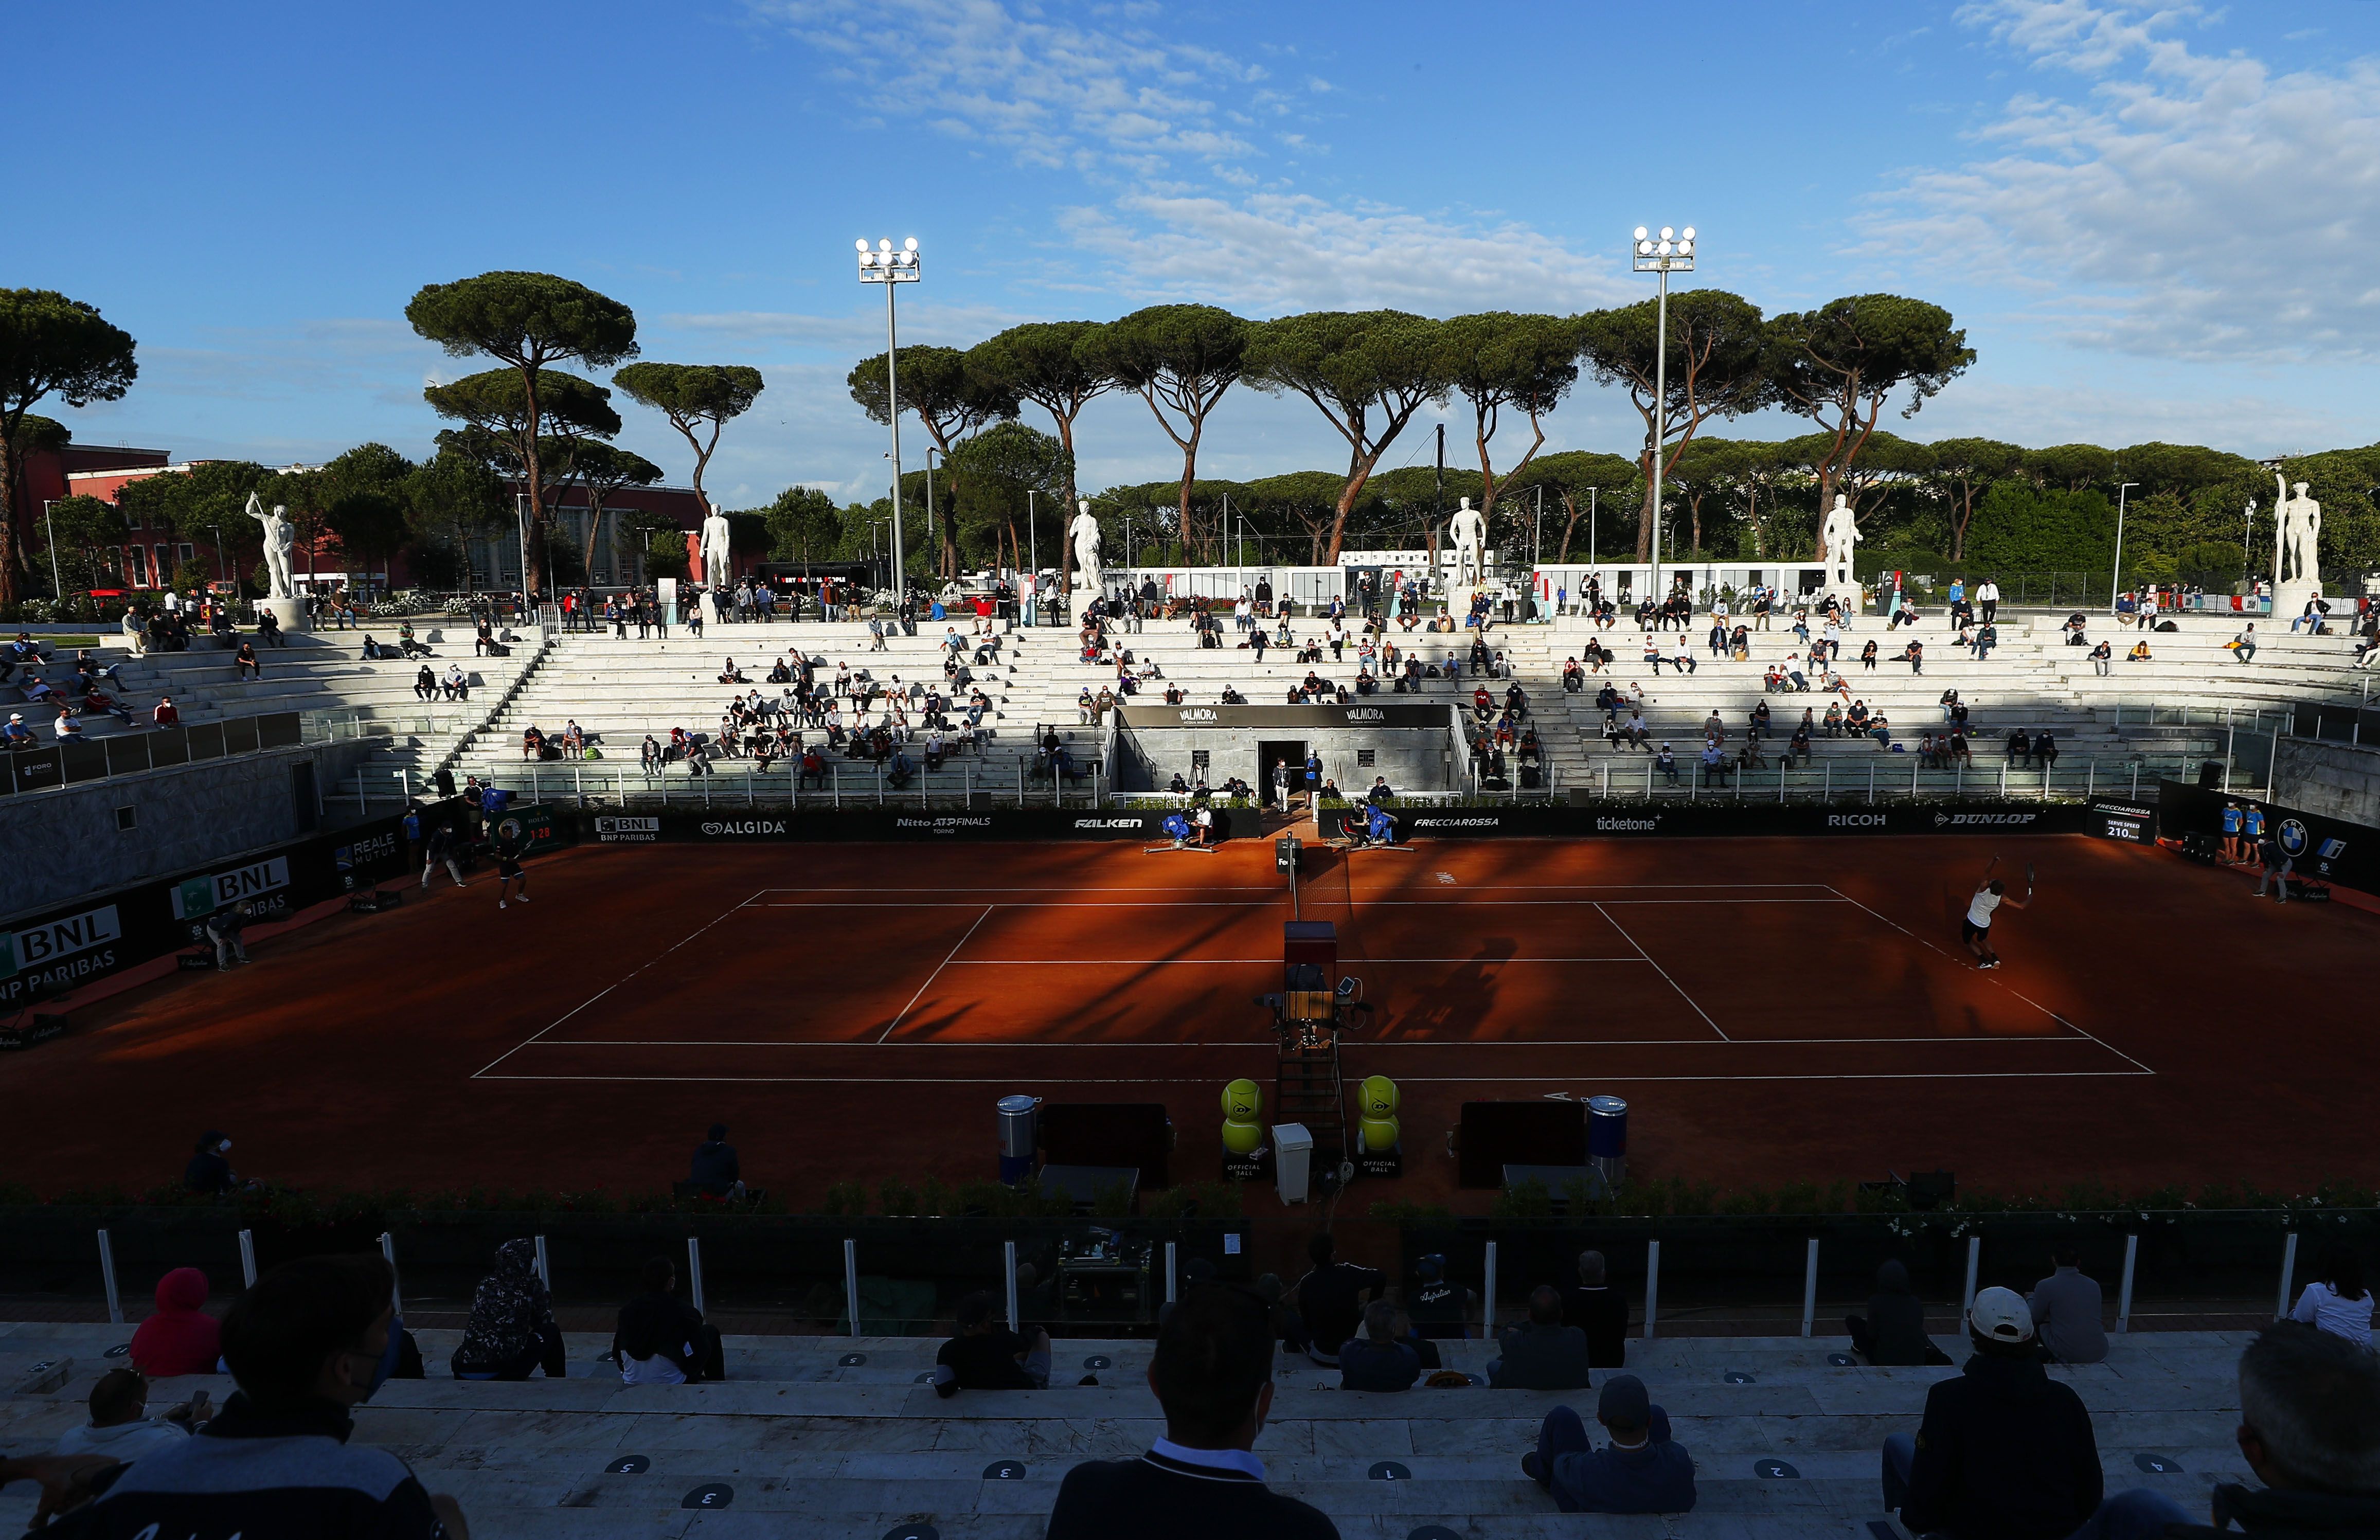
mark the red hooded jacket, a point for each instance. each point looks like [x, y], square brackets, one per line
[179, 1338]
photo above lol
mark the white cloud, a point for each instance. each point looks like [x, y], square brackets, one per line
[2183, 205]
[1189, 154]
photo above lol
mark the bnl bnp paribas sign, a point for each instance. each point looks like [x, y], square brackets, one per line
[57, 954]
[197, 897]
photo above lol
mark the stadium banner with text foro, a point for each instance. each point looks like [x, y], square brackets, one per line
[50, 951]
[1587, 819]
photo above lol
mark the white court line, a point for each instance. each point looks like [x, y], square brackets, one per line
[1003, 1045]
[1664, 972]
[1269, 903]
[2018, 993]
[1206, 1080]
[1270, 961]
[937, 973]
[605, 990]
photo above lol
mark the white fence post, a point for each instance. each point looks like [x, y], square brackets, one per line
[1008, 1255]
[1810, 1288]
[1652, 1287]
[693, 1270]
[396, 1285]
[544, 1269]
[2280, 1310]
[115, 1304]
[1172, 1273]
[1975, 1261]
[851, 1282]
[2124, 1292]
[1488, 1298]
[247, 1258]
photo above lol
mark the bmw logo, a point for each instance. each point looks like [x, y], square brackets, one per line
[2293, 838]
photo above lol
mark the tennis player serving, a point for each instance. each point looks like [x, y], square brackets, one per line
[1976, 929]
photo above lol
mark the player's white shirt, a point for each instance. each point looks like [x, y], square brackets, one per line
[1979, 910]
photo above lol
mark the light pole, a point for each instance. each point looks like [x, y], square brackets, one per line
[2117, 582]
[889, 268]
[1032, 595]
[520, 525]
[1672, 252]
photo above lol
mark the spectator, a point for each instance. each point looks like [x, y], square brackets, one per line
[312, 1339]
[16, 734]
[246, 662]
[2336, 1300]
[1212, 1374]
[1893, 1331]
[985, 1356]
[2004, 1452]
[208, 1170]
[1329, 1299]
[1376, 1361]
[2310, 1428]
[222, 927]
[661, 1339]
[1541, 1353]
[1438, 1306]
[120, 1426]
[1642, 1469]
[715, 1168]
[2066, 1310]
[511, 1330]
[444, 849]
[180, 1338]
[1601, 1311]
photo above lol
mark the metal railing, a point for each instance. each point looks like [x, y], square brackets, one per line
[845, 783]
[1893, 778]
[134, 753]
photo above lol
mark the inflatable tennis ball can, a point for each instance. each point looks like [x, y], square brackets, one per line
[1242, 1112]
[1377, 1100]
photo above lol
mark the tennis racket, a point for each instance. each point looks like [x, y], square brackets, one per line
[2028, 879]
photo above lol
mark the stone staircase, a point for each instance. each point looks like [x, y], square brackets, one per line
[836, 1439]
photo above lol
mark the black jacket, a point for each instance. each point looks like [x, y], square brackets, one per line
[663, 1324]
[260, 1474]
[2264, 1513]
[1896, 1319]
[1602, 1313]
[1157, 1498]
[2005, 1453]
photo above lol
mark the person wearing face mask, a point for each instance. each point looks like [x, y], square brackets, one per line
[312, 1339]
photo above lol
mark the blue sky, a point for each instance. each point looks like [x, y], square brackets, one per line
[2155, 221]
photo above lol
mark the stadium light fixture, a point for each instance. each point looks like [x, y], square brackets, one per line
[886, 266]
[1671, 251]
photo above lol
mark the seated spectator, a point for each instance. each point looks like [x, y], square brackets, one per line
[1329, 1299]
[208, 1172]
[425, 683]
[512, 1328]
[16, 734]
[2066, 1310]
[312, 1339]
[1541, 1353]
[661, 1339]
[180, 1338]
[120, 1426]
[716, 1169]
[2004, 1452]
[1893, 1331]
[1212, 1374]
[1599, 1311]
[2310, 1428]
[1438, 1306]
[985, 1356]
[2337, 1300]
[1642, 1469]
[1376, 1361]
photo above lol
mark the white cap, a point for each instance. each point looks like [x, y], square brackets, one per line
[2002, 1316]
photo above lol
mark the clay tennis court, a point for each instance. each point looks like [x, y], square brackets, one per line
[1772, 1008]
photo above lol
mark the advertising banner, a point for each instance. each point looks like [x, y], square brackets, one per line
[2330, 849]
[895, 826]
[49, 953]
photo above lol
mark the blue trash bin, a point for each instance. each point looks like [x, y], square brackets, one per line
[1607, 1138]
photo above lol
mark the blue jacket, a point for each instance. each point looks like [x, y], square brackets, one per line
[1365, 1365]
[1657, 1477]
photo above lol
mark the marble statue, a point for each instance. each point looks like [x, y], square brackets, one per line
[1086, 532]
[1837, 537]
[716, 573]
[279, 539]
[2294, 558]
[1468, 531]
